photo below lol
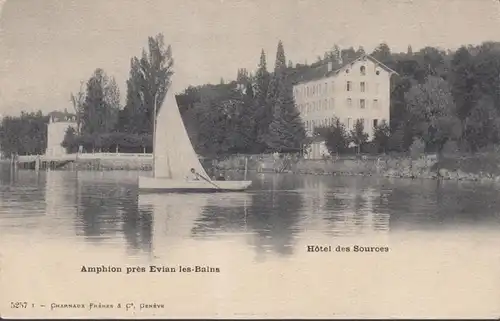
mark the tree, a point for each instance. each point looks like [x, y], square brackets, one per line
[77, 101]
[381, 137]
[263, 115]
[382, 53]
[432, 112]
[358, 135]
[148, 82]
[462, 80]
[432, 61]
[286, 131]
[360, 51]
[70, 140]
[24, 135]
[335, 136]
[133, 117]
[101, 104]
[348, 55]
[245, 126]
[417, 148]
[275, 89]
[483, 125]
[398, 140]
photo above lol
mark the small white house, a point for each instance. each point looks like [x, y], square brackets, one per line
[59, 122]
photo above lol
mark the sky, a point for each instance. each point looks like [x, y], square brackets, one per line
[47, 47]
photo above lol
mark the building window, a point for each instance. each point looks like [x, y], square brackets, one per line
[331, 103]
[377, 72]
[349, 123]
[325, 88]
[375, 103]
[349, 102]
[362, 69]
[362, 86]
[325, 105]
[347, 71]
[362, 104]
[377, 87]
[308, 107]
[349, 86]
[332, 86]
[375, 123]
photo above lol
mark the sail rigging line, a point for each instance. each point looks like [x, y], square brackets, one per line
[206, 179]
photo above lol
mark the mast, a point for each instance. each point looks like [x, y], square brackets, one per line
[154, 133]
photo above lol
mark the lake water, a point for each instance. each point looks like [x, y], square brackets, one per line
[443, 242]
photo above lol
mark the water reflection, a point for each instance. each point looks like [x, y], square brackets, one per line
[430, 204]
[171, 216]
[275, 216]
[21, 194]
[137, 228]
[100, 203]
[223, 214]
[345, 206]
[105, 206]
[60, 196]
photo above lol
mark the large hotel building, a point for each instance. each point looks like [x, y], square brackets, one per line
[358, 90]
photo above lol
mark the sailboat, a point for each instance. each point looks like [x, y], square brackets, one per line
[176, 166]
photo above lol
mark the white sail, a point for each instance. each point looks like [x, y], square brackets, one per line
[173, 151]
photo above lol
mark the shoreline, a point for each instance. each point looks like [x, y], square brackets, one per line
[450, 176]
[477, 168]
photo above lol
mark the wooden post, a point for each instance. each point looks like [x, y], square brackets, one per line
[246, 168]
[37, 163]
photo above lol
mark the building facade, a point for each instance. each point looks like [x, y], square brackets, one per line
[59, 122]
[358, 90]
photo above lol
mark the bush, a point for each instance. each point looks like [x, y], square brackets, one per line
[417, 148]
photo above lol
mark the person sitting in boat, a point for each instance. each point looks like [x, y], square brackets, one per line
[220, 177]
[195, 175]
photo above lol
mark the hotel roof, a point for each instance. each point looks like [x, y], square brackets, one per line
[321, 71]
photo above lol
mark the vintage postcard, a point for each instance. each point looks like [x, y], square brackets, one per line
[250, 159]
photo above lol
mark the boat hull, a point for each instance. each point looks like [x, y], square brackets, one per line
[165, 185]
